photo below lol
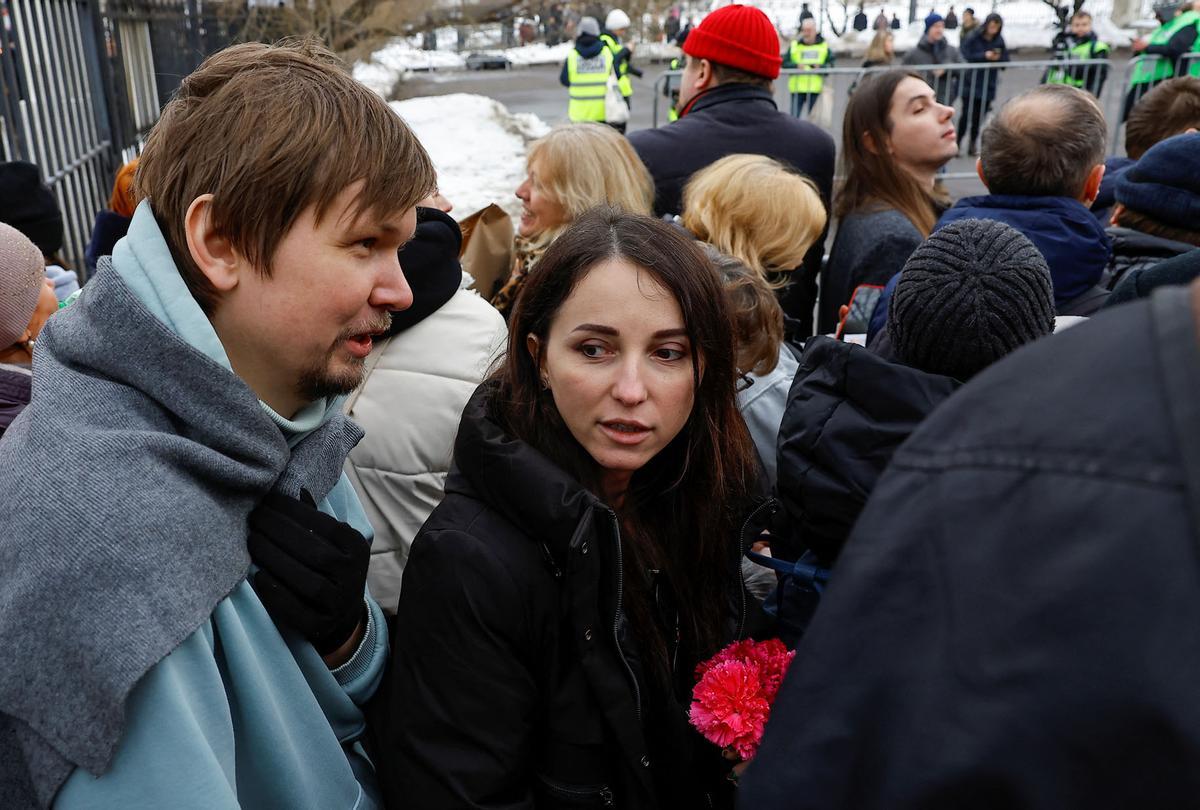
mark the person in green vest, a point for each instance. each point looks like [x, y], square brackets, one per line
[616, 26]
[1080, 43]
[585, 74]
[809, 52]
[1179, 34]
[672, 92]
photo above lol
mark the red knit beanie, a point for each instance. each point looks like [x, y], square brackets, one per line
[737, 36]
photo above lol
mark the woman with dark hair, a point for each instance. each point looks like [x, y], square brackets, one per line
[985, 45]
[895, 137]
[587, 554]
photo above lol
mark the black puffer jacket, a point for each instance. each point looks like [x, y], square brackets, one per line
[847, 412]
[513, 678]
[1134, 250]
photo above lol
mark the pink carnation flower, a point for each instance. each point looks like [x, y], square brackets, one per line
[732, 700]
[729, 707]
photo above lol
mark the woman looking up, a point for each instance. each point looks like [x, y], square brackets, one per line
[586, 556]
[894, 139]
[570, 170]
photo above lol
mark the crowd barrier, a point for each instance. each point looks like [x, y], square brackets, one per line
[964, 85]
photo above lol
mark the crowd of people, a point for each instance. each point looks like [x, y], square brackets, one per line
[299, 514]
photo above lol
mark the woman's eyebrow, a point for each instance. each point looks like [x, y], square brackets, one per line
[596, 327]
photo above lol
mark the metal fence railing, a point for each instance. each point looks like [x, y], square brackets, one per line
[974, 89]
[81, 83]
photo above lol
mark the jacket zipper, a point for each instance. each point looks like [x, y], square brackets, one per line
[637, 692]
[604, 792]
[770, 504]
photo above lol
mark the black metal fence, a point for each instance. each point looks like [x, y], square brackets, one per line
[82, 83]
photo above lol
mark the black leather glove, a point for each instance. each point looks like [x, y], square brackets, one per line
[312, 569]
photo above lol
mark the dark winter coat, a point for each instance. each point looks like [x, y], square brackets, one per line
[732, 119]
[945, 87]
[110, 228]
[981, 84]
[513, 678]
[847, 412]
[1139, 283]
[15, 386]
[1133, 250]
[1074, 244]
[1013, 620]
[870, 248]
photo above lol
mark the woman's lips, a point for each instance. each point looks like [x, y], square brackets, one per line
[625, 432]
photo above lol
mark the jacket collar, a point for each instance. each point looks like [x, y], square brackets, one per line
[724, 93]
[515, 479]
[1070, 238]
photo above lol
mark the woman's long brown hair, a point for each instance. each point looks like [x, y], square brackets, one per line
[874, 179]
[683, 507]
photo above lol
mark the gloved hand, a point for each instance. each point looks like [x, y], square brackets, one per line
[312, 569]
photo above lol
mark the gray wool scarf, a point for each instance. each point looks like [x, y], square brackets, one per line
[127, 483]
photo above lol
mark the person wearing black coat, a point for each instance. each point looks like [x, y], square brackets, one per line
[1013, 619]
[735, 115]
[985, 45]
[548, 630]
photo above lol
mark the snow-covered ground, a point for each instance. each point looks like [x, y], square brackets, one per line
[477, 145]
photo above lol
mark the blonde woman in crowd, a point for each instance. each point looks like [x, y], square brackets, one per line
[765, 217]
[755, 209]
[573, 168]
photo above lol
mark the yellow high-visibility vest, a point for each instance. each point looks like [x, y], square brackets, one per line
[588, 77]
[816, 55]
[623, 80]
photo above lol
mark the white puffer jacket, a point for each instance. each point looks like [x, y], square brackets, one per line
[410, 404]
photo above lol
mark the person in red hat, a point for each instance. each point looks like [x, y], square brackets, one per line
[727, 106]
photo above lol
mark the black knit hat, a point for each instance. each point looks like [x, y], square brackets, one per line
[30, 207]
[970, 294]
[1165, 182]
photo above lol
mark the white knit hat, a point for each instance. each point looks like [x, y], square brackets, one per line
[22, 275]
[616, 20]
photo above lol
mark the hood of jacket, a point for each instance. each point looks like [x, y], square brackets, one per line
[847, 412]
[588, 45]
[1073, 243]
[431, 268]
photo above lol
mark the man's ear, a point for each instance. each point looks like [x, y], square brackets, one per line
[979, 171]
[704, 76]
[1091, 187]
[212, 252]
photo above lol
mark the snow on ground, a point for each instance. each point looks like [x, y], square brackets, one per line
[477, 145]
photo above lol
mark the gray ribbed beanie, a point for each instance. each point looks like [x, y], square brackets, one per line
[970, 294]
[22, 274]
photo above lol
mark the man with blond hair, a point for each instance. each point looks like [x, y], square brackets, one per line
[189, 400]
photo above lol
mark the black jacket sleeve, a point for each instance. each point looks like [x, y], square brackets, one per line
[564, 75]
[1177, 45]
[463, 693]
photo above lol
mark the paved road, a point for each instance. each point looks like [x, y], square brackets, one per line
[536, 90]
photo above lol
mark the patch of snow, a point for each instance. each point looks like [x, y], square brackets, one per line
[477, 145]
[537, 53]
